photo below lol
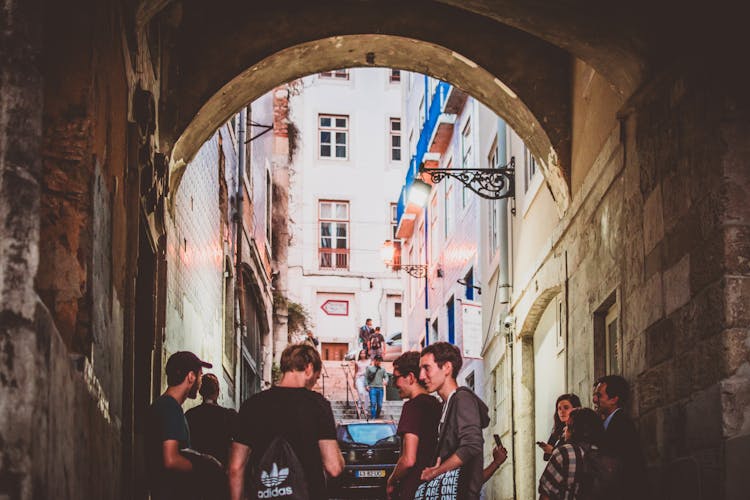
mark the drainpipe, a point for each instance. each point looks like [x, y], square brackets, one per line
[426, 282]
[504, 287]
[239, 287]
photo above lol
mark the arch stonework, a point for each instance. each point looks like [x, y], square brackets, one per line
[521, 77]
[390, 51]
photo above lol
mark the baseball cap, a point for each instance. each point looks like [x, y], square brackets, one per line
[181, 363]
[378, 357]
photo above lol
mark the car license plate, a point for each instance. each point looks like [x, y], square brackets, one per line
[371, 473]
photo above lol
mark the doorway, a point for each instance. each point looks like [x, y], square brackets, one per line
[334, 351]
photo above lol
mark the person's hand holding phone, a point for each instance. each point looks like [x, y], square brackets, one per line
[499, 453]
[546, 447]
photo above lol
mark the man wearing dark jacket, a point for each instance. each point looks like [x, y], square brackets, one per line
[620, 435]
[464, 415]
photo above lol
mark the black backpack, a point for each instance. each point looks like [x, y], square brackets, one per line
[601, 474]
[279, 474]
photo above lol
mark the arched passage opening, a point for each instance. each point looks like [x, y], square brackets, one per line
[547, 136]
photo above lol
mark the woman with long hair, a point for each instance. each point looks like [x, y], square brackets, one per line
[563, 406]
[564, 475]
[360, 383]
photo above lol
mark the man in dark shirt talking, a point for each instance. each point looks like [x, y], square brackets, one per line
[211, 425]
[167, 433]
[417, 427]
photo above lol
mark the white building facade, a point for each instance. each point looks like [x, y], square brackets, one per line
[344, 179]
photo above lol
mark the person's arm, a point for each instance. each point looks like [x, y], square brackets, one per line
[173, 459]
[330, 454]
[499, 455]
[405, 462]
[238, 457]
[452, 462]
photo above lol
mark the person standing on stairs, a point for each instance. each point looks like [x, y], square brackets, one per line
[360, 383]
[376, 381]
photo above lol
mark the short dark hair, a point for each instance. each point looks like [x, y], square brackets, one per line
[297, 356]
[209, 386]
[585, 426]
[617, 386]
[368, 319]
[407, 363]
[444, 351]
[575, 402]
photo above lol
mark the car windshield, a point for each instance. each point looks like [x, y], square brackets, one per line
[368, 434]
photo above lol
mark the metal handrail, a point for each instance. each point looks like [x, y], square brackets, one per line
[355, 395]
[323, 377]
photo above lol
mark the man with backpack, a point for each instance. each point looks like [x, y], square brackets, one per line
[365, 331]
[174, 469]
[287, 434]
[376, 381]
[376, 344]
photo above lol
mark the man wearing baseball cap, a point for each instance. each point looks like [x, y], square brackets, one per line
[167, 430]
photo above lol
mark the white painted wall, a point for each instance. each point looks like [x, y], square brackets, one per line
[368, 179]
[549, 377]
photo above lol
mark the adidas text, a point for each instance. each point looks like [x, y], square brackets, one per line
[275, 492]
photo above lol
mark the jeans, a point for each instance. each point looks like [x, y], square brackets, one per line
[361, 386]
[376, 401]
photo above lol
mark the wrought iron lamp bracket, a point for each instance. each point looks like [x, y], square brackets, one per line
[415, 270]
[490, 183]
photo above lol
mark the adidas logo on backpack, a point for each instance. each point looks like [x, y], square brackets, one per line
[279, 474]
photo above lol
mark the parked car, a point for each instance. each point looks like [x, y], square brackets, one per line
[371, 450]
[394, 349]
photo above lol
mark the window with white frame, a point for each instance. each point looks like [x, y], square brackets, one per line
[494, 205]
[434, 240]
[420, 242]
[411, 281]
[466, 149]
[529, 167]
[395, 76]
[269, 205]
[394, 220]
[422, 115]
[467, 159]
[337, 74]
[395, 127]
[333, 132]
[449, 215]
[333, 220]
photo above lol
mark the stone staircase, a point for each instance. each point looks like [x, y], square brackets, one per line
[334, 380]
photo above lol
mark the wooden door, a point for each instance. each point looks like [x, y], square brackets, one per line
[334, 351]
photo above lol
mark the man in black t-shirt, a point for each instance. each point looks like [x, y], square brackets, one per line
[211, 425]
[376, 344]
[293, 411]
[417, 427]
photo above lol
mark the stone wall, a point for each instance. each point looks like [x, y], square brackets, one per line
[660, 223]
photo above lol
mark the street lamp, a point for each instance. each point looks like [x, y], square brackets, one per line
[419, 192]
[391, 254]
[490, 183]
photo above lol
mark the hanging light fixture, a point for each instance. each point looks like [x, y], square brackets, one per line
[391, 254]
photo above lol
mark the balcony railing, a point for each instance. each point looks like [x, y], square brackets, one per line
[334, 258]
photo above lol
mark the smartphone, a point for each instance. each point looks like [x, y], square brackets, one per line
[497, 441]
